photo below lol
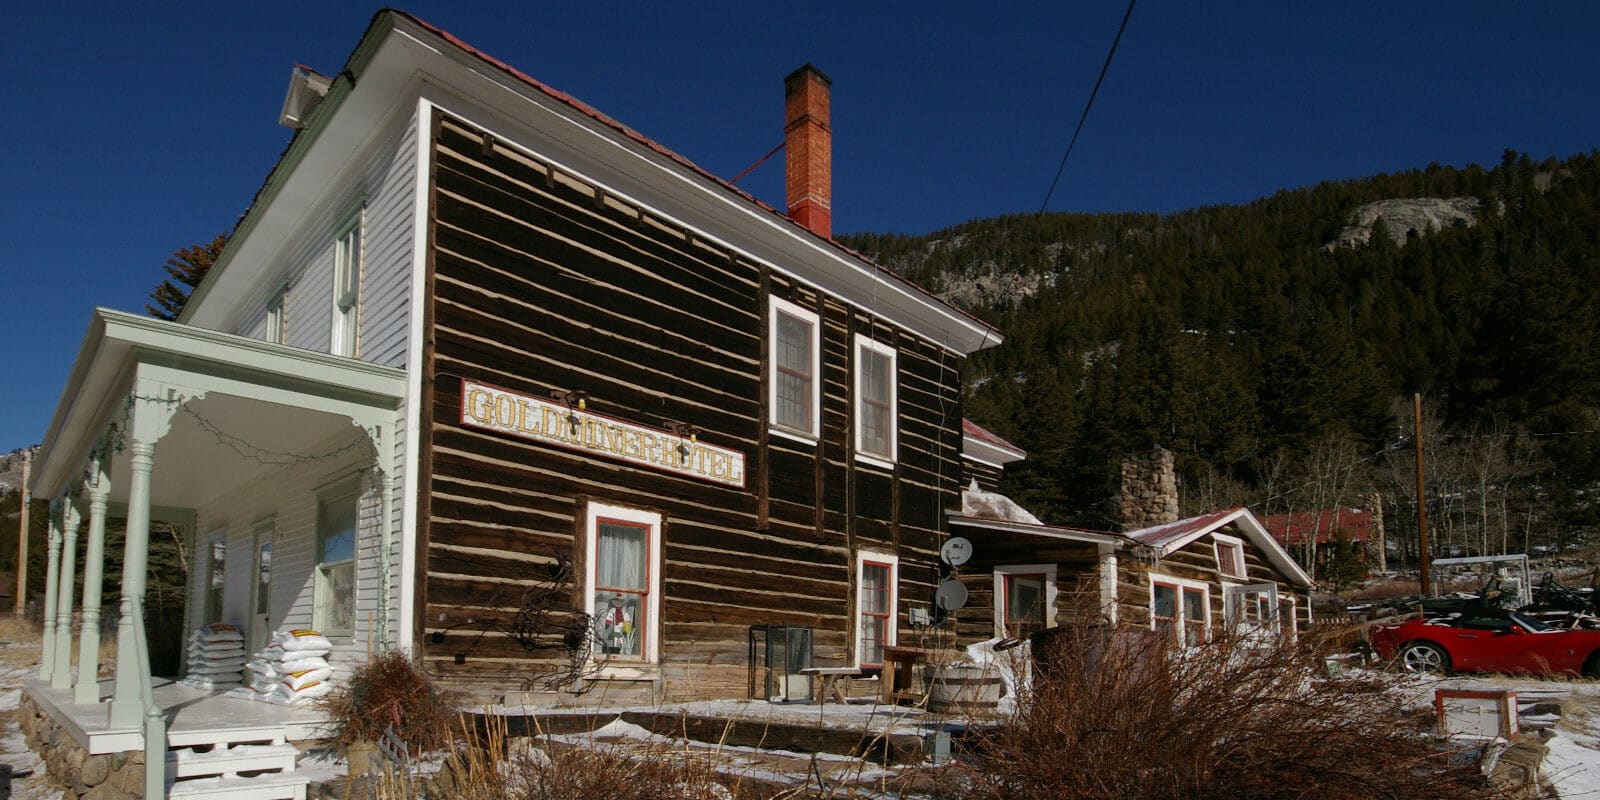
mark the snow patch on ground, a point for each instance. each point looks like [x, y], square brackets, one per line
[1573, 767]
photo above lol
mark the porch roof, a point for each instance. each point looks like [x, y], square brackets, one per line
[119, 346]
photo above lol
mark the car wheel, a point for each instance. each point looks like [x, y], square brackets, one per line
[1591, 668]
[1424, 658]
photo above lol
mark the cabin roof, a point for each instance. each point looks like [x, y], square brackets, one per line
[1297, 528]
[979, 433]
[1173, 536]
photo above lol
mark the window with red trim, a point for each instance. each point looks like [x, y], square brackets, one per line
[621, 587]
[876, 612]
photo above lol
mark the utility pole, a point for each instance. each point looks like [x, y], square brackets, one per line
[22, 534]
[1422, 503]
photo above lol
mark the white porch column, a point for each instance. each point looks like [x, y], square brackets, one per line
[87, 689]
[51, 584]
[72, 515]
[1108, 582]
[149, 415]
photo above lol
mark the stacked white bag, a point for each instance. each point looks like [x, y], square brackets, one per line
[216, 657]
[293, 669]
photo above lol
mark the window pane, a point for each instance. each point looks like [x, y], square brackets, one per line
[620, 557]
[875, 429]
[618, 617]
[875, 589]
[794, 402]
[338, 529]
[339, 608]
[216, 580]
[874, 376]
[1194, 616]
[794, 344]
[872, 640]
[792, 357]
[1024, 605]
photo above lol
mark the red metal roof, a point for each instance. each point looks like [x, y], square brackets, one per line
[976, 431]
[605, 119]
[1298, 527]
[1160, 536]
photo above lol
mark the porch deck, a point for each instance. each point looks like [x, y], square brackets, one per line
[189, 712]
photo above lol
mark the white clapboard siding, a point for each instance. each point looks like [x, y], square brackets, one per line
[289, 496]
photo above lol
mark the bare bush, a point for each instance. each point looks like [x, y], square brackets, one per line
[1120, 715]
[388, 691]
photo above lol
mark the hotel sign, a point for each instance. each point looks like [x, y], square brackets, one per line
[505, 411]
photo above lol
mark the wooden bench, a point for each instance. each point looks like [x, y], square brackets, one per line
[830, 681]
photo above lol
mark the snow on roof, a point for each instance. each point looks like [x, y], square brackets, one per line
[978, 504]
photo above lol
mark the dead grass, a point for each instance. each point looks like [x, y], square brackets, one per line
[22, 639]
[1119, 716]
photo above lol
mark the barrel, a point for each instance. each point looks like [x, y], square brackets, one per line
[965, 688]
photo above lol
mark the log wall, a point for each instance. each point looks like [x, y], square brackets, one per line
[541, 282]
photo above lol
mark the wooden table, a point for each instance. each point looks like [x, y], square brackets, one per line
[899, 673]
[830, 681]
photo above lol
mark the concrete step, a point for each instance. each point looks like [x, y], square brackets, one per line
[291, 786]
[228, 762]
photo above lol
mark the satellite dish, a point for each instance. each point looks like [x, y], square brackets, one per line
[950, 595]
[956, 551]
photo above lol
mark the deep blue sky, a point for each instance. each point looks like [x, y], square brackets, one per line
[130, 134]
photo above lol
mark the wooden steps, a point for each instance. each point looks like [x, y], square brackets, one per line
[246, 763]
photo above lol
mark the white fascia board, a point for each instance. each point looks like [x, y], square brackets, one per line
[554, 131]
[989, 453]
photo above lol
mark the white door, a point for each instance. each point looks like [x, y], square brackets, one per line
[261, 590]
[1251, 609]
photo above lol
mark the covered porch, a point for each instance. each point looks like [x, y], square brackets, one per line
[204, 431]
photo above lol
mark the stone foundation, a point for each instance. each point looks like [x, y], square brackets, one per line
[109, 776]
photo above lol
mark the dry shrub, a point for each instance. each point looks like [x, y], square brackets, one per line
[495, 768]
[1119, 715]
[386, 691]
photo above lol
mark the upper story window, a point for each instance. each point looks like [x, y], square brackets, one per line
[796, 364]
[346, 289]
[875, 394]
[1230, 556]
[276, 332]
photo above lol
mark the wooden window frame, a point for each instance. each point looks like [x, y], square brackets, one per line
[892, 434]
[344, 489]
[1003, 576]
[596, 513]
[349, 255]
[211, 610]
[1181, 620]
[813, 431]
[876, 558]
[1234, 545]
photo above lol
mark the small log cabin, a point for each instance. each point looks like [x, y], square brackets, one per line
[1188, 577]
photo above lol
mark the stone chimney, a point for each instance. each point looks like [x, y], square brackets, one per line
[1149, 490]
[808, 145]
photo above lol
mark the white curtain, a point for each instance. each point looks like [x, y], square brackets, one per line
[621, 555]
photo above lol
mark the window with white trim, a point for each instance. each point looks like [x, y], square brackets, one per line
[346, 289]
[274, 329]
[334, 594]
[877, 597]
[795, 388]
[622, 583]
[1024, 599]
[1180, 609]
[876, 394]
[1288, 620]
[1230, 555]
[216, 575]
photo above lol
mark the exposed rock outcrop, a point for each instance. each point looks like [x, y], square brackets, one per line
[1401, 217]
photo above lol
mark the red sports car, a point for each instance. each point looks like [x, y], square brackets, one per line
[1488, 640]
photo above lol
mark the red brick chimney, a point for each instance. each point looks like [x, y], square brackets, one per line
[808, 142]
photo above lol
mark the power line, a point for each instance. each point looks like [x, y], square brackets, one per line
[1087, 106]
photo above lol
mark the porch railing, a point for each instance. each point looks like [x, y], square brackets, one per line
[155, 724]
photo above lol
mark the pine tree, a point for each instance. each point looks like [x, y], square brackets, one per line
[185, 269]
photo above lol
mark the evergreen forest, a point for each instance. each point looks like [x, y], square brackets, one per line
[1281, 369]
